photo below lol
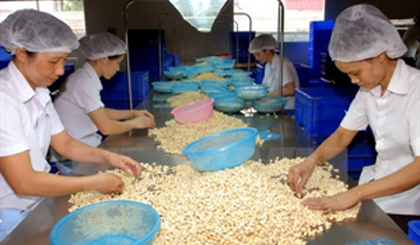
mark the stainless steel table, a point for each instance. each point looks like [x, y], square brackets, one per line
[371, 223]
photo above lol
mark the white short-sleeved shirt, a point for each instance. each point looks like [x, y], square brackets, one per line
[27, 121]
[80, 96]
[395, 121]
[272, 77]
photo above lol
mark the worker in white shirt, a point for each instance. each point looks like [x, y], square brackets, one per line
[29, 124]
[79, 104]
[366, 46]
[263, 48]
[411, 39]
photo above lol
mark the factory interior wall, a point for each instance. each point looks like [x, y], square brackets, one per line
[394, 9]
[181, 38]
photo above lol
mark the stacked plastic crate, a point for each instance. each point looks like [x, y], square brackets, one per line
[320, 110]
[144, 52]
[115, 91]
[4, 58]
[319, 38]
[239, 43]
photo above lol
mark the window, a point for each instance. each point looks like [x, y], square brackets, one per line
[69, 11]
[298, 14]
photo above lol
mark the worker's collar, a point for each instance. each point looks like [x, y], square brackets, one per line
[93, 75]
[398, 83]
[25, 91]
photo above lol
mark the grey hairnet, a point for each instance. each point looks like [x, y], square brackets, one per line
[263, 41]
[101, 45]
[36, 31]
[361, 32]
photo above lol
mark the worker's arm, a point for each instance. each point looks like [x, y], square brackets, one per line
[21, 177]
[287, 91]
[119, 114]
[402, 180]
[127, 114]
[331, 147]
[75, 150]
[108, 126]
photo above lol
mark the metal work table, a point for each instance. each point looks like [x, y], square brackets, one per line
[372, 222]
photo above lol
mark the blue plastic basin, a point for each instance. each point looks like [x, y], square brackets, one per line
[223, 150]
[269, 104]
[229, 104]
[251, 92]
[162, 87]
[112, 222]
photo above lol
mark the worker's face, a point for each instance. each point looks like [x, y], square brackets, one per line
[367, 73]
[111, 66]
[42, 68]
[262, 56]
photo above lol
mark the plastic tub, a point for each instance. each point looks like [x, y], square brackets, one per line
[219, 83]
[269, 104]
[176, 75]
[251, 92]
[210, 88]
[414, 231]
[241, 74]
[229, 104]
[112, 222]
[219, 151]
[222, 95]
[223, 73]
[182, 87]
[193, 112]
[233, 80]
[162, 87]
[226, 64]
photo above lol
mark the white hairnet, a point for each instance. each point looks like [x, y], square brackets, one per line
[262, 42]
[101, 45]
[36, 31]
[361, 32]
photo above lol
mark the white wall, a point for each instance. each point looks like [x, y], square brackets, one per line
[181, 38]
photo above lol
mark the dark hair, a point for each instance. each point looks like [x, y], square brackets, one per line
[30, 54]
[417, 18]
[115, 56]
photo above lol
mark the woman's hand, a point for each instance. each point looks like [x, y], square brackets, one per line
[334, 203]
[108, 183]
[299, 175]
[124, 163]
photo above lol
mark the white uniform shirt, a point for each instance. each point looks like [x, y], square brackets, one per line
[80, 96]
[395, 122]
[28, 119]
[272, 77]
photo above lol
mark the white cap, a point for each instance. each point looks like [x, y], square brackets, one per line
[101, 45]
[36, 31]
[263, 41]
[361, 32]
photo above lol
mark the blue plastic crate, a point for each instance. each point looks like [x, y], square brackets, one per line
[414, 231]
[174, 58]
[4, 63]
[320, 110]
[117, 87]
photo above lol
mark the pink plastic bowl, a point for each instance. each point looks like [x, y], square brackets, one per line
[193, 112]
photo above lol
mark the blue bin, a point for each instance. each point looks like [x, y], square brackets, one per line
[223, 150]
[112, 222]
[321, 110]
[414, 231]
